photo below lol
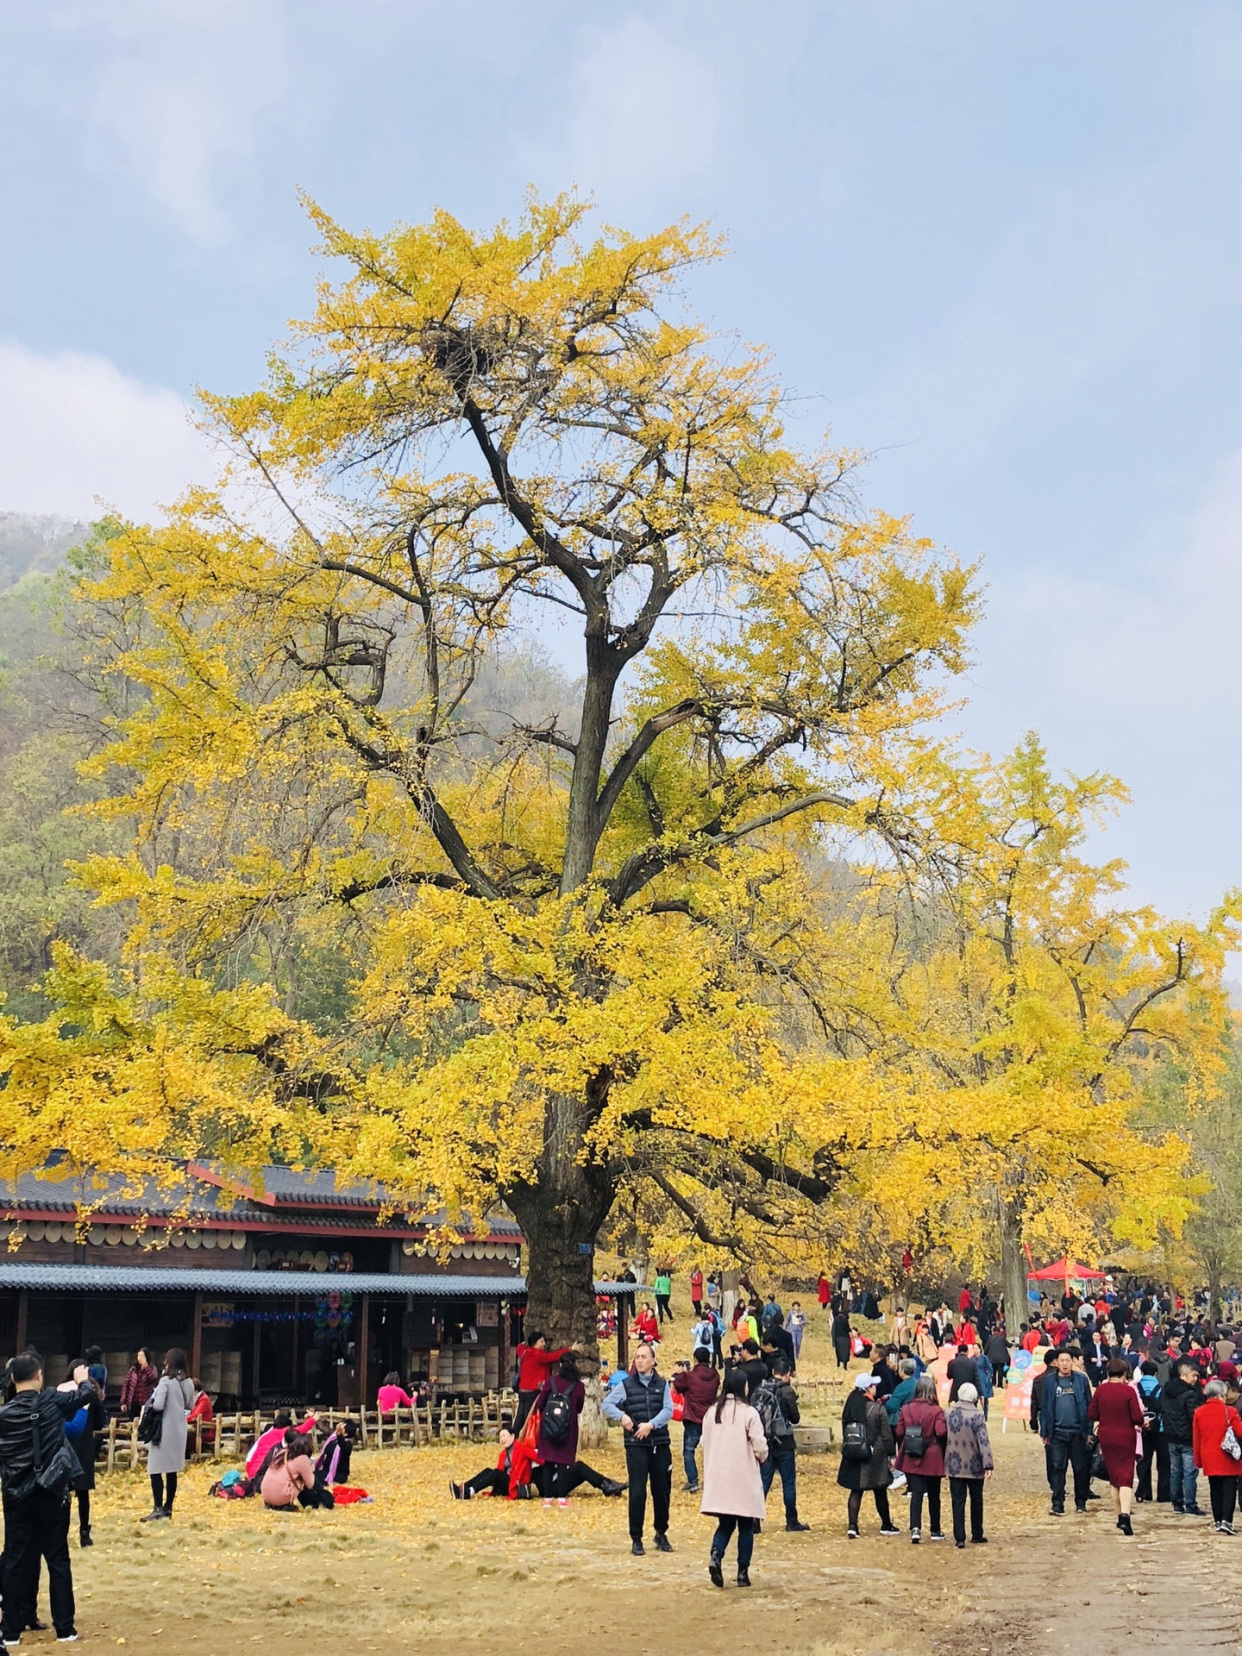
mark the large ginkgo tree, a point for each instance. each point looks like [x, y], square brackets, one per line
[375, 919]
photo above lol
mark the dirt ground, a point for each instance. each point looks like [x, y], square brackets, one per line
[417, 1572]
[420, 1573]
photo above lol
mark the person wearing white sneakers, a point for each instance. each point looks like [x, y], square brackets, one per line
[36, 1464]
[867, 1444]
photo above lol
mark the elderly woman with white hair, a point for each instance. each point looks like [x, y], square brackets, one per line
[1217, 1432]
[867, 1444]
[968, 1462]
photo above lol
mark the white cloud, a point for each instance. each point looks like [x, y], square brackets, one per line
[645, 112]
[1158, 643]
[74, 431]
[180, 88]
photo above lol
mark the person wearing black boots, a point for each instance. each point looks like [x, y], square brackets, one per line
[83, 1435]
[735, 1447]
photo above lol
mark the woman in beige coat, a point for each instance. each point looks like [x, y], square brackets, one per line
[734, 1448]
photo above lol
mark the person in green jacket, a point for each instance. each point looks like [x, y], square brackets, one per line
[663, 1293]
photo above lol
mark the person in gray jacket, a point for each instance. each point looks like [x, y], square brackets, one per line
[171, 1400]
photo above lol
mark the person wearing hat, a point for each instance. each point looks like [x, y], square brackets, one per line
[867, 1444]
[968, 1462]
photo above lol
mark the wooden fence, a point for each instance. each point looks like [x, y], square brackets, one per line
[229, 1436]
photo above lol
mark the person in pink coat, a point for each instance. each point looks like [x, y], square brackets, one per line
[734, 1448]
[393, 1395]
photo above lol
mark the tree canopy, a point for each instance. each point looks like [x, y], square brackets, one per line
[714, 921]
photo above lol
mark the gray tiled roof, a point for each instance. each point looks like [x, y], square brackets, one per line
[138, 1279]
[292, 1193]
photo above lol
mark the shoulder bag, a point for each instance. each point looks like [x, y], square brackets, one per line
[63, 1467]
[150, 1423]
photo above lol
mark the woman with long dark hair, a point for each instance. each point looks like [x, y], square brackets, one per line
[734, 1448]
[171, 1400]
[83, 1435]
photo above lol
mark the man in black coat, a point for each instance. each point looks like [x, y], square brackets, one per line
[962, 1370]
[35, 1477]
[1181, 1397]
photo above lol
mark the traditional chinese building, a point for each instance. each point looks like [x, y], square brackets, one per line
[289, 1291]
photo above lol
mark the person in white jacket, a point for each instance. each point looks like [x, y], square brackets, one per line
[734, 1448]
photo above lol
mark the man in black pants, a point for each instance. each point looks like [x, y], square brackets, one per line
[1063, 1403]
[642, 1404]
[36, 1519]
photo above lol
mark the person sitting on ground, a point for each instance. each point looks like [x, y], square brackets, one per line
[646, 1328]
[333, 1462]
[201, 1409]
[511, 1476]
[261, 1451]
[289, 1481]
[392, 1395]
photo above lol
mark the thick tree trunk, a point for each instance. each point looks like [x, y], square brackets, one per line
[1013, 1268]
[560, 1216]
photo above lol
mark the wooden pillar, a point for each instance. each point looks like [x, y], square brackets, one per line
[196, 1340]
[254, 1364]
[502, 1317]
[623, 1333]
[297, 1343]
[362, 1346]
[23, 1314]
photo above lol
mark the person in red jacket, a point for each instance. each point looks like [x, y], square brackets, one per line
[646, 1328]
[696, 1291]
[139, 1383]
[535, 1364]
[699, 1386]
[823, 1291]
[1211, 1420]
[924, 1471]
[510, 1477]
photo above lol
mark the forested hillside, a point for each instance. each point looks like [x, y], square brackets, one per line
[34, 545]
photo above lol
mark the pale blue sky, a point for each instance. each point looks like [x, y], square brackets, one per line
[999, 245]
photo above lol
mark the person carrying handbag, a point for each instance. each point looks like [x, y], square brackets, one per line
[1217, 1444]
[171, 1402]
[36, 1465]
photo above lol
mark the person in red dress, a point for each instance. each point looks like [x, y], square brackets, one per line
[1119, 1414]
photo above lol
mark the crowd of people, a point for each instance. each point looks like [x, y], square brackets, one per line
[1135, 1388]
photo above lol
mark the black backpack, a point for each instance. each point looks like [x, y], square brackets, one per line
[855, 1444]
[912, 1442]
[766, 1401]
[557, 1418]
